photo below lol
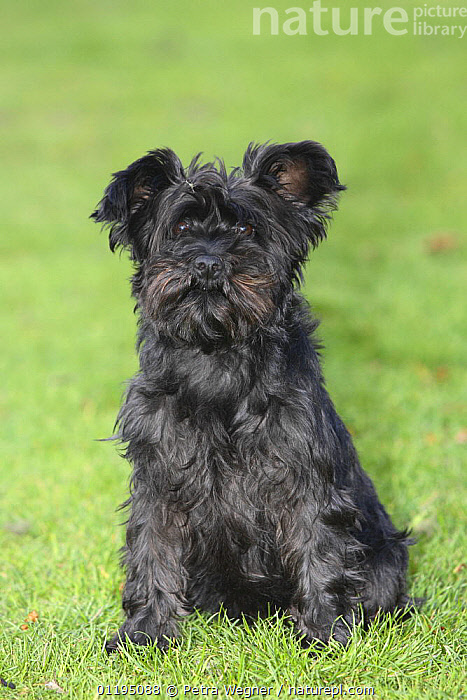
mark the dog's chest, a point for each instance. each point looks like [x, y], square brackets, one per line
[211, 386]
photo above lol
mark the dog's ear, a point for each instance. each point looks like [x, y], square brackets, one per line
[130, 191]
[303, 173]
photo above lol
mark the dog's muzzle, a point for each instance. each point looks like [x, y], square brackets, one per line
[208, 268]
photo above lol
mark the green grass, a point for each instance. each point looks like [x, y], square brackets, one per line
[86, 88]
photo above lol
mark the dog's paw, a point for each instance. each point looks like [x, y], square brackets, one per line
[126, 635]
[319, 635]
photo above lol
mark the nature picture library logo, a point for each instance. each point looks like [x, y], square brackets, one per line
[424, 20]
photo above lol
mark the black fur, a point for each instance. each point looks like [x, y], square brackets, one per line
[246, 489]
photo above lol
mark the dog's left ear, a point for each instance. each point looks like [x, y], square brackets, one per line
[303, 173]
[130, 191]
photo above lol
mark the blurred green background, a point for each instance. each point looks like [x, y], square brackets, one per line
[86, 88]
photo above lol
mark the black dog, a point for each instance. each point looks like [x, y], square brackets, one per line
[246, 490]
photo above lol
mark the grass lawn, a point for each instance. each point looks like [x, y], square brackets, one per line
[86, 88]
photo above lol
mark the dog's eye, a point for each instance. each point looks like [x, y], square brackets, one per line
[181, 227]
[245, 229]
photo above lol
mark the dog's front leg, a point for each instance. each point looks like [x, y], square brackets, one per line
[154, 593]
[326, 578]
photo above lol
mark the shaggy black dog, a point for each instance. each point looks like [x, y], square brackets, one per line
[246, 489]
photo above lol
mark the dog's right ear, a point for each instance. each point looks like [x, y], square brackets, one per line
[130, 192]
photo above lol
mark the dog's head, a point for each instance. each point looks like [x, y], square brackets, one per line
[217, 253]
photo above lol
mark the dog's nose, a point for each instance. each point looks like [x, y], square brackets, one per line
[208, 267]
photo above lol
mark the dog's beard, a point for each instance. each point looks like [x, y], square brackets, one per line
[212, 314]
